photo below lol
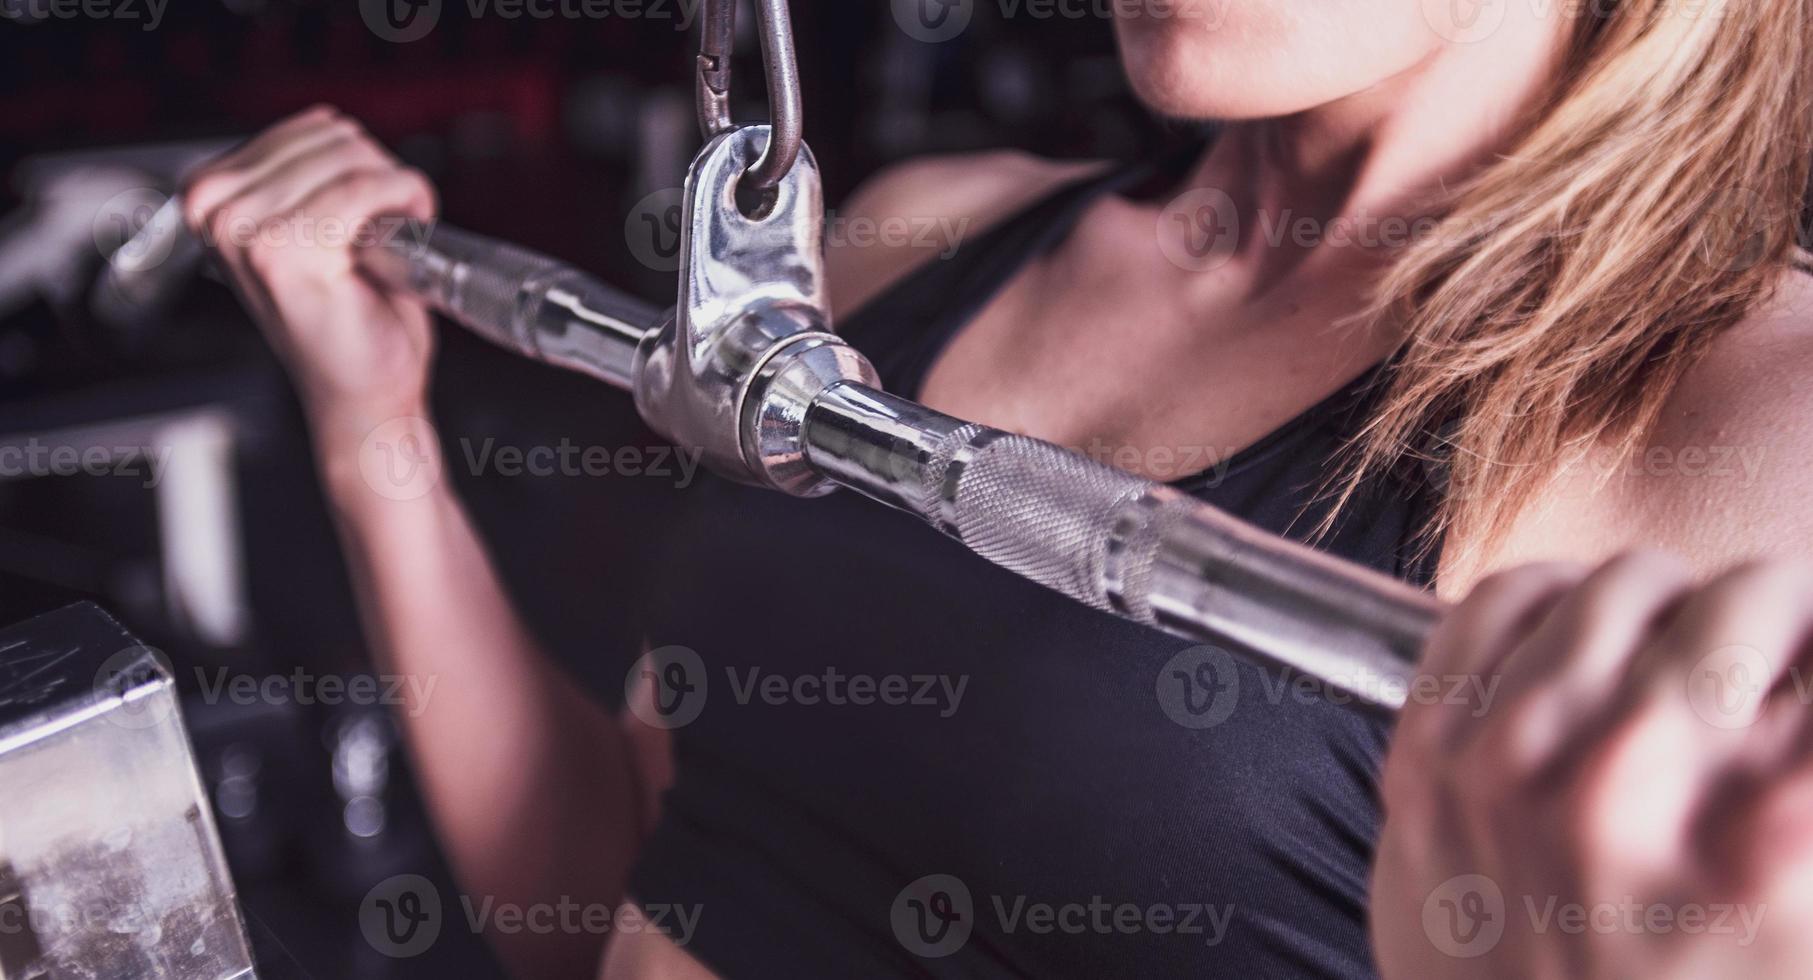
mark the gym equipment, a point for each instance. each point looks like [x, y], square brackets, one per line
[747, 369]
[110, 863]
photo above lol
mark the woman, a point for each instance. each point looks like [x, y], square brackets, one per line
[1598, 287]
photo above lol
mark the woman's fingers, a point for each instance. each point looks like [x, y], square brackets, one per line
[1475, 637]
[356, 201]
[286, 213]
[290, 211]
[1480, 629]
[1652, 740]
[1587, 642]
[1679, 739]
[229, 176]
[1731, 645]
[293, 181]
[1568, 669]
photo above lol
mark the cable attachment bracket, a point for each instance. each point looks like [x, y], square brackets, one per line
[749, 347]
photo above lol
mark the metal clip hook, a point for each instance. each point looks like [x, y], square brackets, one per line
[716, 44]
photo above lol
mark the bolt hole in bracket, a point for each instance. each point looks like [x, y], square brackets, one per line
[750, 343]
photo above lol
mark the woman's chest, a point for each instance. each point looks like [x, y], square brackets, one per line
[1117, 366]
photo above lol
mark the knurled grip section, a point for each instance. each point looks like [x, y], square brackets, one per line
[1038, 510]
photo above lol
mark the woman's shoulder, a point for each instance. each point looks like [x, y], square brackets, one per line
[1754, 379]
[911, 212]
[1731, 454]
[1721, 476]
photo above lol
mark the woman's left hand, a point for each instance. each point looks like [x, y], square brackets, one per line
[1632, 798]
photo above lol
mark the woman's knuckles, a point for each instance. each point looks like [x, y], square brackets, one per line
[1764, 590]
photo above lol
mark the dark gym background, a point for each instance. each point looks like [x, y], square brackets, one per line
[544, 131]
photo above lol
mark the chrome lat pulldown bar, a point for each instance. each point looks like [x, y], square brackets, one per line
[747, 369]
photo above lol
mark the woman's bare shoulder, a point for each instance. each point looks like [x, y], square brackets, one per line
[1727, 467]
[1721, 478]
[921, 210]
[1754, 380]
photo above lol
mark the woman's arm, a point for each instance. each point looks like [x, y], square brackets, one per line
[532, 786]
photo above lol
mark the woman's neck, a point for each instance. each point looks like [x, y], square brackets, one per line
[1359, 170]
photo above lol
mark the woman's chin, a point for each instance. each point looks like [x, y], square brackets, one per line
[1258, 74]
[1206, 95]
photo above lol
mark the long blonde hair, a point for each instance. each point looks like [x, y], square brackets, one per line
[1651, 200]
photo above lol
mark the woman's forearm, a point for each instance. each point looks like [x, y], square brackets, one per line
[530, 782]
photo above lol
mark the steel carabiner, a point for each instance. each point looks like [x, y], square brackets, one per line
[717, 43]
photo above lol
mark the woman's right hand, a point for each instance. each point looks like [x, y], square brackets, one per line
[1633, 798]
[287, 213]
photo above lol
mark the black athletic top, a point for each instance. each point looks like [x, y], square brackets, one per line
[874, 705]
